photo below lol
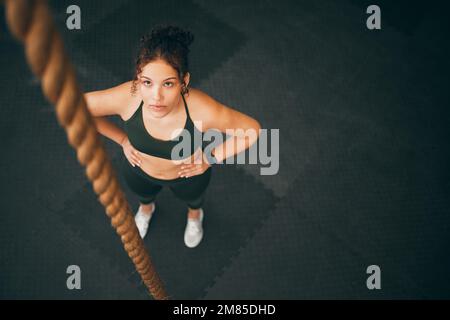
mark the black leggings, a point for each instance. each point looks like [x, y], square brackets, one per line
[190, 190]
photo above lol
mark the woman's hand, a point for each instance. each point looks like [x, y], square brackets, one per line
[192, 169]
[131, 153]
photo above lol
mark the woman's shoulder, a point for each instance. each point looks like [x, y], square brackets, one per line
[202, 107]
[127, 98]
[111, 101]
[197, 97]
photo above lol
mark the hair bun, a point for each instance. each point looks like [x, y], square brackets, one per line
[144, 39]
[161, 33]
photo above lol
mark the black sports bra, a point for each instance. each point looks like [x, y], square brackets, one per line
[144, 142]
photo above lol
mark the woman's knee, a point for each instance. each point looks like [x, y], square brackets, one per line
[146, 200]
[196, 203]
[192, 196]
[191, 188]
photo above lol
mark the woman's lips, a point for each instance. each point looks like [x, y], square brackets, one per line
[157, 107]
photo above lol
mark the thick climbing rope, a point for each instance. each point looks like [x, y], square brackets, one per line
[31, 22]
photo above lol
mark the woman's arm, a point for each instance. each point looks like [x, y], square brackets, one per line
[244, 131]
[110, 130]
[109, 102]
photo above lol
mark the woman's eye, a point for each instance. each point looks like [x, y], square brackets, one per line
[148, 83]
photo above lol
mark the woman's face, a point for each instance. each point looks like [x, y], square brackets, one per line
[160, 88]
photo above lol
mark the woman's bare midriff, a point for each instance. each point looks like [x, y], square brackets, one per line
[164, 169]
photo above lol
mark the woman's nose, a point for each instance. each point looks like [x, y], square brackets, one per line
[156, 94]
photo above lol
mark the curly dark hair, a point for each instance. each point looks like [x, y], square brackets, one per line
[166, 42]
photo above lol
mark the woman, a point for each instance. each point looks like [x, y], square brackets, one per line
[155, 106]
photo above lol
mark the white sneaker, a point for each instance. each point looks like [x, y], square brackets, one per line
[142, 220]
[193, 233]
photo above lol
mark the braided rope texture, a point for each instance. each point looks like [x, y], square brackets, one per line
[30, 21]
